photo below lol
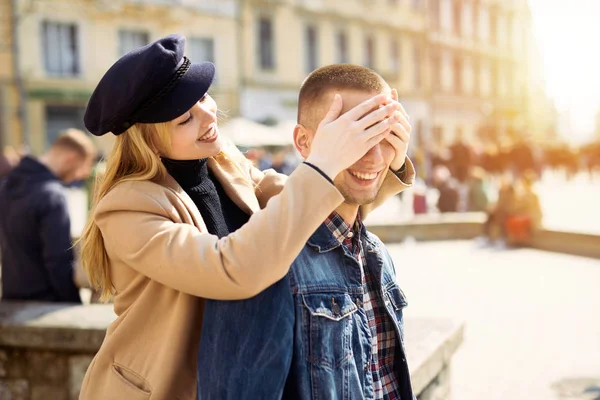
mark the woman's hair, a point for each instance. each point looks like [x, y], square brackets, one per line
[134, 157]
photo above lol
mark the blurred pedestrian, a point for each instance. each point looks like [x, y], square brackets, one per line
[449, 195]
[494, 229]
[477, 200]
[8, 159]
[526, 217]
[461, 158]
[35, 228]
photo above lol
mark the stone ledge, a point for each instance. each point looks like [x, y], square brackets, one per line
[53, 326]
[579, 244]
[452, 226]
[469, 226]
[29, 331]
[430, 345]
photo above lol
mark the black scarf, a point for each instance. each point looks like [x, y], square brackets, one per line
[220, 214]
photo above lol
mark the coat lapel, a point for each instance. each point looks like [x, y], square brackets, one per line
[237, 185]
[172, 184]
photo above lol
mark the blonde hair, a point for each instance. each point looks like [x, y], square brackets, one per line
[134, 157]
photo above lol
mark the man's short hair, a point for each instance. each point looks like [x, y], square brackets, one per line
[334, 77]
[76, 140]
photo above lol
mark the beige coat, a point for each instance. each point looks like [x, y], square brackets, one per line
[163, 262]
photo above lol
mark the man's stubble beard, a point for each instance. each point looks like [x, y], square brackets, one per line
[350, 198]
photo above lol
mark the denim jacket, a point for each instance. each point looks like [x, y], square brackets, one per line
[293, 341]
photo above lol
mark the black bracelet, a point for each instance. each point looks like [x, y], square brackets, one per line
[401, 171]
[319, 171]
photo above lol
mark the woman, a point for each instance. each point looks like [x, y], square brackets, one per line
[148, 245]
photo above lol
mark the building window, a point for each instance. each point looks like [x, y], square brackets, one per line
[394, 55]
[510, 26]
[476, 78]
[437, 135]
[495, 81]
[475, 20]
[312, 48]
[493, 27]
[342, 48]
[436, 72]
[417, 67]
[435, 14]
[61, 118]
[486, 80]
[369, 52]
[130, 40]
[61, 48]
[516, 36]
[484, 24]
[458, 74]
[467, 20]
[457, 17]
[467, 76]
[501, 23]
[201, 49]
[266, 43]
[446, 15]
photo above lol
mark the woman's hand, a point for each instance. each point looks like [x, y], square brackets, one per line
[340, 141]
[400, 137]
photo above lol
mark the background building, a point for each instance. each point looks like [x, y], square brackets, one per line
[8, 97]
[480, 53]
[67, 45]
[462, 67]
[283, 41]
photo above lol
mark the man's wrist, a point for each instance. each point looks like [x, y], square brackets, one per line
[400, 170]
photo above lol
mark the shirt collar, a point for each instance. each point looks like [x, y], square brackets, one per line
[333, 232]
[340, 229]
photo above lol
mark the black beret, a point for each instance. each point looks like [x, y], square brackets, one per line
[155, 83]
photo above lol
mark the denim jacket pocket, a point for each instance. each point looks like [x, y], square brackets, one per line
[328, 327]
[396, 297]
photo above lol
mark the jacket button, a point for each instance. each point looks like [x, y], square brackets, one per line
[366, 366]
[350, 234]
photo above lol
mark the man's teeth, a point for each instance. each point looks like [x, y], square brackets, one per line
[363, 176]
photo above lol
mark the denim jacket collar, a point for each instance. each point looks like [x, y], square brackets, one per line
[323, 240]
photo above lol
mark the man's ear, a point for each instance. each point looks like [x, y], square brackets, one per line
[302, 140]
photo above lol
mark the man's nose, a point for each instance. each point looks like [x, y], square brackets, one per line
[374, 155]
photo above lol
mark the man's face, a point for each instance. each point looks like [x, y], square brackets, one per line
[75, 167]
[360, 183]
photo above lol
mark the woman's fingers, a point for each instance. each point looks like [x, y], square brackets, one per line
[363, 108]
[380, 127]
[376, 116]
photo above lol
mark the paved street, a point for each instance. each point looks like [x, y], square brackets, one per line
[532, 318]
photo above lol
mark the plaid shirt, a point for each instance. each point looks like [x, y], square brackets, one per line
[383, 333]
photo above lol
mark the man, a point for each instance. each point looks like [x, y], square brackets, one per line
[35, 229]
[333, 327]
